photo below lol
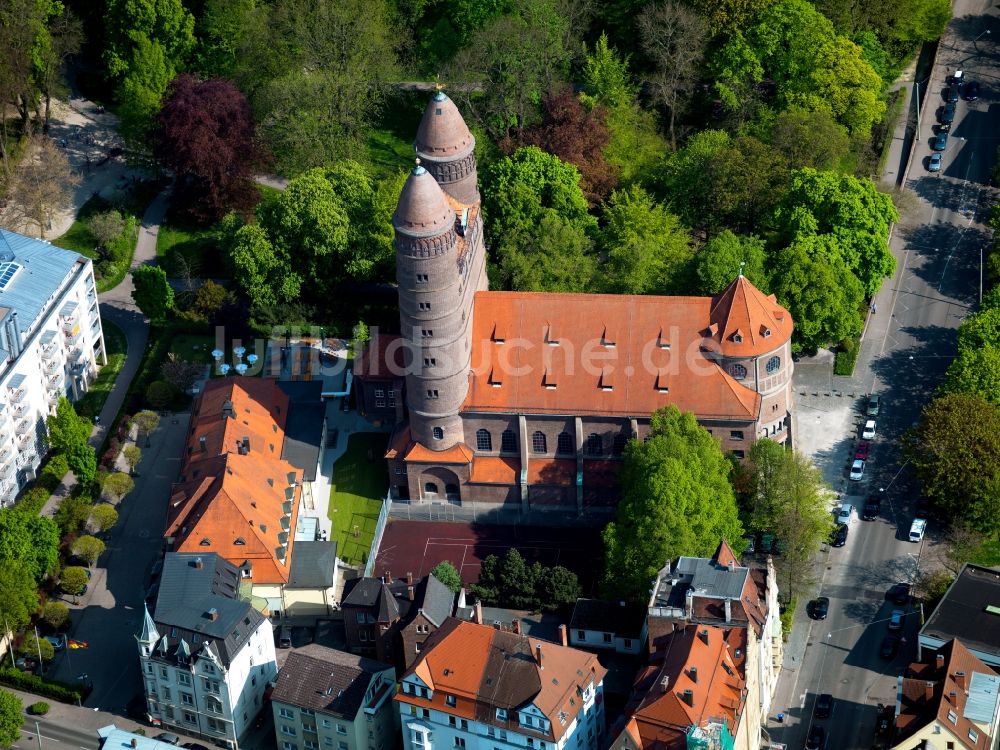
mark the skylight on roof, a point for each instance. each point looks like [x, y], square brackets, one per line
[8, 270]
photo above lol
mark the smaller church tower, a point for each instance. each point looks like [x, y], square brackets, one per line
[432, 316]
[447, 149]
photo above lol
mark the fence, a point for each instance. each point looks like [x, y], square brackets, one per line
[491, 513]
[383, 517]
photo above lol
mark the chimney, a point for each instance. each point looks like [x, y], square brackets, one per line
[665, 683]
[729, 610]
[135, 742]
[689, 604]
[515, 626]
[563, 635]
[409, 593]
[704, 635]
[497, 625]
[693, 674]
[388, 576]
[213, 614]
[538, 654]
[461, 598]
[198, 564]
[409, 578]
[732, 565]
[477, 612]
[202, 444]
[928, 691]
[960, 679]
[689, 697]
[246, 445]
[940, 661]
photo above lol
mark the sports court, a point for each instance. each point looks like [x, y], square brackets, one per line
[417, 546]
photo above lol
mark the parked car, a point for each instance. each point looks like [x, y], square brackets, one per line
[857, 470]
[944, 127]
[816, 738]
[818, 608]
[861, 451]
[26, 664]
[946, 114]
[194, 746]
[168, 737]
[58, 644]
[868, 433]
[873, 506]
[824, 706]
[890, 647]
[951, 93]
[939, 142]
[874, 403]
[285, 638]
[899, 593]
[971, 91]
[839, 538]
[896, 619]
[934, 164]
[845, 513]
[917, 529]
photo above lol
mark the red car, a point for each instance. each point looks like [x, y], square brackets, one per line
[862, 450]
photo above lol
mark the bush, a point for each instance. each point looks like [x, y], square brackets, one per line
[55, 469]
[38, 708]
[30, 683]
[74, 579]
[33, 501]
[787, 616]
[55, 614]
[160, 394]
[847, 356]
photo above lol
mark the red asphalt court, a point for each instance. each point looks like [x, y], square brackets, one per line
[417, 546]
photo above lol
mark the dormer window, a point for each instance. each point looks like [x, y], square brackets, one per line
[206, 542]
[765, 332]
[450, 700]
[239, 541]
[501, 714]
[737, 338]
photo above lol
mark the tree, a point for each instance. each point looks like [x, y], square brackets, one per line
[673, 38]
[809, 139]
[522, 190]
[160, 394]
[445, 572]
[18, 595]
[727, 255]
[73, 580]
[851, 212]
[206, 137]
[166, 22]
[315, 73]
[552, 256]
[43, 183]
[73, 513]
[62, 36]
[28, 542]
[106, 226]
[825, 299]
[66, 429]
[145, 423]
[181, 375]
[955, 449]
[82, 462]
[141, 91]
[728, 17]
[89, 548]
[209, 298]
[56, 614]
[221, 28]
[555, 588]
[264, 276]
[975, 371]
[578, 136]
[132, 454]
[360, 334]
[116, 486]
[152, 292]
[11, 718]
[606, 78]
[103, 516]
[33, 645]
[676, 500]
[647, 250]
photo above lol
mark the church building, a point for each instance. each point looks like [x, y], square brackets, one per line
[526, 399]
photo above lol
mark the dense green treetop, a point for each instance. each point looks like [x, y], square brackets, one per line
[676, 500]
[66, 428]
[28, 542]
[152, 292]
[727, 255]
[18, 595]
[164, 22]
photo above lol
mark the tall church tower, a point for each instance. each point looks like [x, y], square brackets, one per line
[440, 265]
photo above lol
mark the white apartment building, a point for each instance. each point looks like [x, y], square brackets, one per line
[476, 687]
[51, 343]
[206, 656]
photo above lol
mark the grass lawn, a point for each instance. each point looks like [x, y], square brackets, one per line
[389, 154]
[92, 402]
[186, 250]
[358, 488]
[191, 348]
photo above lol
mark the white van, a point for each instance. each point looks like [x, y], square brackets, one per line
[917, 529]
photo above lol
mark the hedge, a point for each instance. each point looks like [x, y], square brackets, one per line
[30, 683]
[787, 616]
[846, 357]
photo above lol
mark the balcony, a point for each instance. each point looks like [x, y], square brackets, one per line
[23, 427]
[51, 366]
[6, 456]
[23, 443]
[20, 411]
[73, 334]
[17, 395]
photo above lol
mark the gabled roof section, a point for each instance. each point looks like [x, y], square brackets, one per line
[654, 335]
[747, 322]
[442, 132]
[323, 679]
[969, 611]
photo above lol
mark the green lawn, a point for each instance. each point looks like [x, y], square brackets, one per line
[191, 348]
[92, 402]
[389, 153]
[359, 484]
[186, 250]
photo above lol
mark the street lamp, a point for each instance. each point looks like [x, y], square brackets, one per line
[981, 36]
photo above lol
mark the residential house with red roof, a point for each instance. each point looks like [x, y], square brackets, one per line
[240, 495]
[524, 400]
[476, 684]
[951, 700]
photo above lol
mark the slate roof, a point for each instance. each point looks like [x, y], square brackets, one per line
[327, 680]
[964, 612]
[486, 669]
[187, 597]
[314, 565]
[303, 426]
[391, 601]
[621, 618]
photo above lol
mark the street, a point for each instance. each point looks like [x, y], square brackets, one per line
[907, 346]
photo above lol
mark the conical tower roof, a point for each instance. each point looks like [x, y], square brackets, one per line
[422, 210]
[443, 133]
[149, 632]
[748, 322]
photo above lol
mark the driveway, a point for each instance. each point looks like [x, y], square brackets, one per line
[907, 346]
